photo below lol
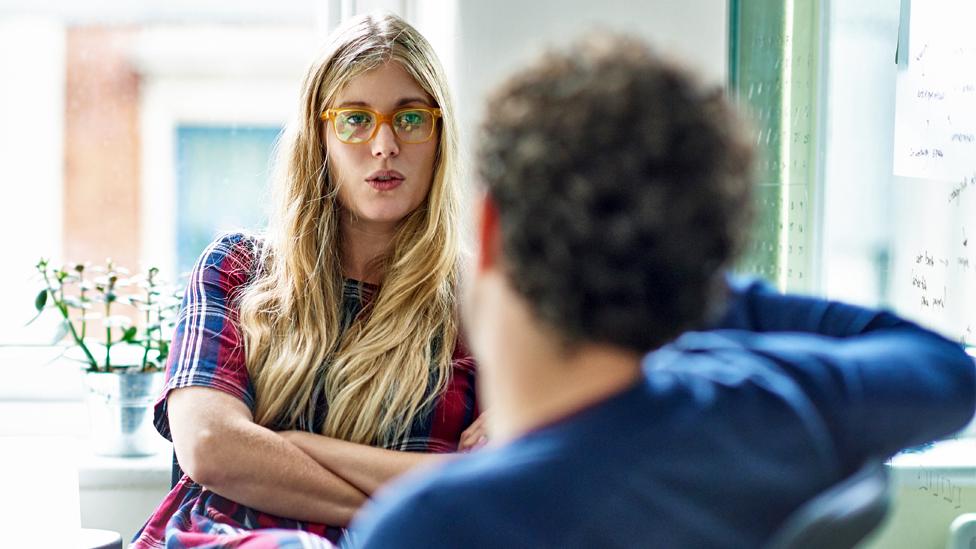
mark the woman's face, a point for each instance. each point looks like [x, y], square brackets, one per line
[381, 181]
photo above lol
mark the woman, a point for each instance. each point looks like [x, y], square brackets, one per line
[305, 361]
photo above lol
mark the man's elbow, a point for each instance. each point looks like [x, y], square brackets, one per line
[963, 380]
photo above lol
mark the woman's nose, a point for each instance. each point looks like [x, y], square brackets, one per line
[385, 143]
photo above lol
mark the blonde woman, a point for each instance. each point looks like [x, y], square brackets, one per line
[316, 362]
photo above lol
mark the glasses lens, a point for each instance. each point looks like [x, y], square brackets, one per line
[354, 126]
[413, 126]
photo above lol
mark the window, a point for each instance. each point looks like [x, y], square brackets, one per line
[774, 64]
[222, 174]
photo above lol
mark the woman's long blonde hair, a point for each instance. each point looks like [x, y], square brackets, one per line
[388, 366]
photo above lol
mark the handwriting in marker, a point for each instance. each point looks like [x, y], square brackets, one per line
[922, 53]
[934, 95]
[925, 259]
[940, 486]
[918, 281]
[959, 188]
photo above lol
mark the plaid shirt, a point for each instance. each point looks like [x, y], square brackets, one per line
[207, 351]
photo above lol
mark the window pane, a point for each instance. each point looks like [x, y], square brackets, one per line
[774, 73]
[222, 174]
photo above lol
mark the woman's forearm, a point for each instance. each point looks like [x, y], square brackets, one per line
[365, 467]
[258, 468]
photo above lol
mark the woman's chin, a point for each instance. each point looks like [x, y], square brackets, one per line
[382, 217]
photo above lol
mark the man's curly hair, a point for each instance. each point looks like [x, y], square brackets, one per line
[623, 188]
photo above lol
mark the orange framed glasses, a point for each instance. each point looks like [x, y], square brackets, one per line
[359, 125]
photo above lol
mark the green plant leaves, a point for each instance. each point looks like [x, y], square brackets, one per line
[41, 300]
[163, 352]
[75, 288]
[59, 334]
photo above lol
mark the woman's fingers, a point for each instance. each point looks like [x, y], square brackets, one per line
[475, 436]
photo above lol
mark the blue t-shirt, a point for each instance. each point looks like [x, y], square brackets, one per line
[728, 432]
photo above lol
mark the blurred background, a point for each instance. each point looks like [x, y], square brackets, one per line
[137, 131]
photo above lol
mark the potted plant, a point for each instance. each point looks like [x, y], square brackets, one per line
[123, 351]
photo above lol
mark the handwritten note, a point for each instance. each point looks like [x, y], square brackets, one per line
[935, 113]
[939, 486]
[934, 255]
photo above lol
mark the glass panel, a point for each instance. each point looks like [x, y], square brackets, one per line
[222, 173]
[774, 64]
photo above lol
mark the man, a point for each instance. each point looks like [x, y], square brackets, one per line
[618, 194]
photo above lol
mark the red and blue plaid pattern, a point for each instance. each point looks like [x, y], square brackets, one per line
[207, 351]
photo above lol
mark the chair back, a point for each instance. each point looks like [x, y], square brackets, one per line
[841, 516]
[176, 473]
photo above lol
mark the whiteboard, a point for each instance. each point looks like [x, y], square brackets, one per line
[933, 264]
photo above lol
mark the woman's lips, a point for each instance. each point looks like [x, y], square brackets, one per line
[385, 184]
[385, 180]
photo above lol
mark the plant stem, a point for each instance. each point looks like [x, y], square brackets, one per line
[148, 342]
[63, 309]
[108, 334]
[81, 297]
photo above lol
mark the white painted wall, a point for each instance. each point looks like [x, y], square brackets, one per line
[495, 37]
[858, 145]
[32, 74]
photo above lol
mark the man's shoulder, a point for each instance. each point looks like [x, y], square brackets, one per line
[460, 503]
[445, 504]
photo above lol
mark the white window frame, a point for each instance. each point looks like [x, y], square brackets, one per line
[238, 81]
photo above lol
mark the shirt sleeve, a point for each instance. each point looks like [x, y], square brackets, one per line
[880, 382]
[754, 306]
[881, 391]
[207, 348]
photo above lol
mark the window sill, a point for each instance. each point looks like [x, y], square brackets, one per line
[129, 473]
[952, 460]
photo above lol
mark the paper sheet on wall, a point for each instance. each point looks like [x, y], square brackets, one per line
[935, 108]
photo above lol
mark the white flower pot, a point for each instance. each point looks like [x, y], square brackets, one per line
[120, 406]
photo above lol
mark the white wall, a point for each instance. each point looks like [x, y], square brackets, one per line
[32, 74]
[858, 148]
[495, 37]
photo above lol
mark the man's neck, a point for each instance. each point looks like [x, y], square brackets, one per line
[548, 392]
[530, 380]
[362, 243]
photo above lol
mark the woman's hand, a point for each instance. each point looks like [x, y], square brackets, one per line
[365, 467]
[475, 436]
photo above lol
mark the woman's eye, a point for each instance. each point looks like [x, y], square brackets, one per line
[411, 119]
[358, 119]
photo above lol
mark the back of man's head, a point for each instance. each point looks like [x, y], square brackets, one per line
[622, 188]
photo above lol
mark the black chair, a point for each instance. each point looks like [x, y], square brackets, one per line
[176, 473]
[840, 517]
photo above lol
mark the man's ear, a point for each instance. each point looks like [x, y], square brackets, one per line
[489, 235]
